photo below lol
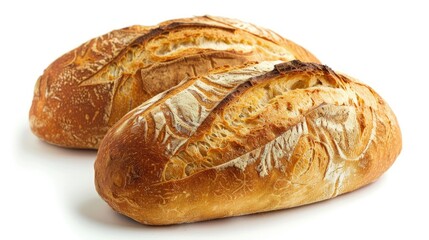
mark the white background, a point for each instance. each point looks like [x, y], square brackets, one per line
[48, 192]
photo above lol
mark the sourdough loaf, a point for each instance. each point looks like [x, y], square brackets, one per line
[84, 92]
[246, 139]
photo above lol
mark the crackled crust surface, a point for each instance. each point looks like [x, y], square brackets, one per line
[84, 92]
[248, 139]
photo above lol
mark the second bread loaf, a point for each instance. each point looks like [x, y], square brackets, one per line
[84, 92]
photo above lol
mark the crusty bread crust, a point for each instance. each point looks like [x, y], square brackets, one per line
[84, 92]
[247, 139]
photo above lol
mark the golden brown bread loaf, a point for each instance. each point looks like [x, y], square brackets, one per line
[84, 92]
[248, 139]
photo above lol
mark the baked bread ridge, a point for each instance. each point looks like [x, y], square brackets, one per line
[84, 92]
[278, 139]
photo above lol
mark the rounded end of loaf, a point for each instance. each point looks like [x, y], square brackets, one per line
[54, 118]
[61, 117]
[387, 143]
[66, 111]
[117, 177]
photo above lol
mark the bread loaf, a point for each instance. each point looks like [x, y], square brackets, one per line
[84, 92]
[248, 139]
